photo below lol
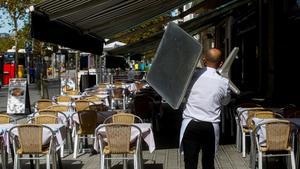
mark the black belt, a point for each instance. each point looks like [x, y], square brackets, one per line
[200, 121]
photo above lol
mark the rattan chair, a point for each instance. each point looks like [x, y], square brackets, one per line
[48, 112]
[44, 119]
[278, 140]
[61, 108]
[118, 94]
[118, 142]
[64, 99]
[72, 92]
[98, 107]
[27, 140]
[62, 118]
[102, 85]
[92, 98]
[125, 118]
[82, 105]
[5, 119]
[243, 127]
[86, 127]
[263, 114]
[43, 104]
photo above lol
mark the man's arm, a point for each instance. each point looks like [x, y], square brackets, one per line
[227, 97]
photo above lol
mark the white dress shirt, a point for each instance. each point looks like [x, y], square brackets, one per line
[208, 94]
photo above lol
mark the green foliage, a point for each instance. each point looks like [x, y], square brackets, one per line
[6, 43]
[23, 35]
[143, 31]
[17, 11]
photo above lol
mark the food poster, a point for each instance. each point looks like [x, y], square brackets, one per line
[16, 102]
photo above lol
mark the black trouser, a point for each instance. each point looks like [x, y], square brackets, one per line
[199, 135]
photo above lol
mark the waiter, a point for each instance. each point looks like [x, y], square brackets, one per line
[201, 116]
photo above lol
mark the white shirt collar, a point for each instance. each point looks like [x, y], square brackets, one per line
[211, 69]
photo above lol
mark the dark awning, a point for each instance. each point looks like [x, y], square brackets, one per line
[58, 33]
[85, 23]
[116, 62]
[192, 26]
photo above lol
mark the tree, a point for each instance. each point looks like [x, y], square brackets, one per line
[6, 43]
[17, 11]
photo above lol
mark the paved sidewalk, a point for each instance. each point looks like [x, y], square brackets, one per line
[227, 158]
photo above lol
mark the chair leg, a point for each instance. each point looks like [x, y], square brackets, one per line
[53, 160]
[106, 102]
[244, 145]
[108, 162]
[31, 162]
[37, 162]
[62, 150]
[124, 104]
[293, 159]
[140, 158]
[112, 104]
[124, 161]
[238, 138]
[3, 156]
[69, 141]
[47, 161]
[59, 161]
[16, 162]
[253, 153]
[102, 162]
[135, 160]
[259, 160]
[75, 146]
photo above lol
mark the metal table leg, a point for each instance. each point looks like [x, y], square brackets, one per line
[252, 151]
[3, 155]
[60, 166]
[238, 136]
[297, 153]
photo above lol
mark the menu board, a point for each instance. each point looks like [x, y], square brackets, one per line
[18, 97]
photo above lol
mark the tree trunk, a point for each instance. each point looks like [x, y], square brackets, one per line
[16, 45]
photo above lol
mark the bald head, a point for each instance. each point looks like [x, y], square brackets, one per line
[213, 58]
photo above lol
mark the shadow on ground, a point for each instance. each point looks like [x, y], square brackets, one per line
[167, 137]
[146, 166]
